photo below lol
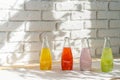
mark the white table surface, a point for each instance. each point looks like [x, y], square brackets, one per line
[57, 74]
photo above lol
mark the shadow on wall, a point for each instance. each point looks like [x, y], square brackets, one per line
[20, 31]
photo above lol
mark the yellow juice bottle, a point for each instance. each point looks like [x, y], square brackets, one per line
[107, 57]
[45, 56]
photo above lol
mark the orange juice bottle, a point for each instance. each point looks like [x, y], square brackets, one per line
[107, 57]
[67, 58]
[45, 56]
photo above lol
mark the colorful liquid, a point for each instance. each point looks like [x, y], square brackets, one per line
[45, 59]
[67, 59]
[85, 59]
[107, 60]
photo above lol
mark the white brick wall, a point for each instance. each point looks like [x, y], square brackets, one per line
[40, 26]
[83, 33]
[55, 15]
[108, 15]
[12, 26]
[69, 5]
[96, 24]
[22, 21]
[97, 6]
[114, 6]
[33, 46]
[39, 5]
[84, 15]
[25, 15]
[4, 14]
[115, 24]
[70, 25]
[109, 33]
[3, 36]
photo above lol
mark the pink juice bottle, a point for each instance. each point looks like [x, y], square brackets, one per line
[85, 57]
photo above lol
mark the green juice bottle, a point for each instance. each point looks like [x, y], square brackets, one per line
[107, 57]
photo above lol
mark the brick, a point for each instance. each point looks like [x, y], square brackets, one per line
[11, 47]
[115, 41]
[50, 35]
[12, 26]
[3, 24]
[114, 6]
[53, 15]
[40, 26]
[3, 36]
[39, 5]
[14, 4]
[25, 15]
[96, 43]
[97, 24]
[109, 33]
[97, 6]
[69, 5]
[60, 35]
[31, 36]
[70, 25]
[24, 36]
[16, 36]
[115, 24]
[17, 4]
[83, 33]
[84, 15]
[108, 15]
[5, 5]
[32, 46]
[4, 14]
[115, 51]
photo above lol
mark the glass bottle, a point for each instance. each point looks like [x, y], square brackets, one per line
[107, 57]
[67, 57]
[85, 57]
[45, 56]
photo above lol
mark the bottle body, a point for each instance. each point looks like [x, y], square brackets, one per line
[67, 59]
[107, 60]
[45, 59]
[107, 57]
[45, 56]
[85, 60]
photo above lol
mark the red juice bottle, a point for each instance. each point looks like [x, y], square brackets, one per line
[67, 58]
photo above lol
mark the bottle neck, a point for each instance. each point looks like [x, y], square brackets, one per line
[107, 42]
[85, 43]
[67, 42]
[45, 42]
